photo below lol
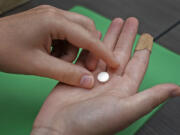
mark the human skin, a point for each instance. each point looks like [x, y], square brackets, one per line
[26, 39]
[110, 107]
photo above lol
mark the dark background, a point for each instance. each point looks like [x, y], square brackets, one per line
[161, 18]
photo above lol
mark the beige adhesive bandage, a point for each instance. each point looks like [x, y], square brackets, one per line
[145, 42]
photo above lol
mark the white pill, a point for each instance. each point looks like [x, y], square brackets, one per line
[103, 77]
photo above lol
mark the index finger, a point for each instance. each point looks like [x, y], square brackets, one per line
[82, 38]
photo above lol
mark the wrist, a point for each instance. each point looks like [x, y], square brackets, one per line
[44, 131]
[49, 128]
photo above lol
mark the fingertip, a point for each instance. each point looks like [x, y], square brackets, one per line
[115, 28]
[116, 63]
[132, 20]
[118, 20]
[172, 90]
[147, 35]
[90, 61]
[87, 81]
[175, 91]
[91, 64]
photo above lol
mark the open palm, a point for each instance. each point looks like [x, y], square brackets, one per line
[110, 107]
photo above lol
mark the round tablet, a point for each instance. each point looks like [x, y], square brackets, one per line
[103, 77]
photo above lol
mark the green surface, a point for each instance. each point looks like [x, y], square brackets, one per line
[22, 96]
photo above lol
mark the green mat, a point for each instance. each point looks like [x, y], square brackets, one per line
[22, 96]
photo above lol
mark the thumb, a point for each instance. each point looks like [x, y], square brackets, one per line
[144, 102]
[51, 67]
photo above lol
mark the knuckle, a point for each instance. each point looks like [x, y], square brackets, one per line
[45, 7]
[48, 14]
[92, 25]
[91, 22]
[48, 11]
[88, 24]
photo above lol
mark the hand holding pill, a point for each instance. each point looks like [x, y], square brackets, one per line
[114, 102]
[28, 37]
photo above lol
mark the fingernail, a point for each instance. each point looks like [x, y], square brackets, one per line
[87, 81]
[176, 92]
